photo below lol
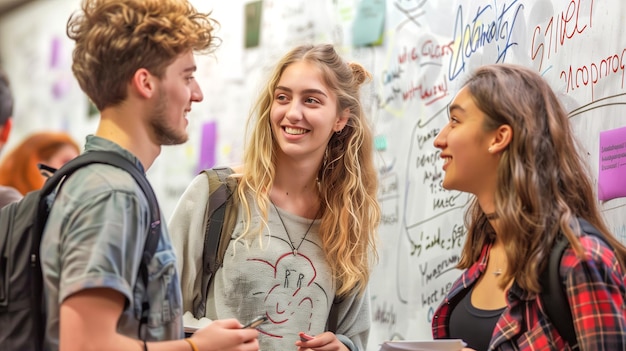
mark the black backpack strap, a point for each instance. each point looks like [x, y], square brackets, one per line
[213, 222]
[117, 160]
[333, 316]
[553, 294]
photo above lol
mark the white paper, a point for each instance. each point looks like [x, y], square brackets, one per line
[191, 324]
[190, 330]
[426, 345]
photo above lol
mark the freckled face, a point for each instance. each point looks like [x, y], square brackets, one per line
[177, 91]
[304, 112]
[464, 147]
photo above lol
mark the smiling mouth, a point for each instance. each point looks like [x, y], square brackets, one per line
[295, 131]
[446, 160]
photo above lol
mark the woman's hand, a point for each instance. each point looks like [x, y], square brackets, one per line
[323, 342]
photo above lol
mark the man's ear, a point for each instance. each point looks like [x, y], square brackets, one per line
[501, 139]
[342, 120]
[5, 130]
[143, 83]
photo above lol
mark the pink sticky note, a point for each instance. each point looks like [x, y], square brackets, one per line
[612, 168]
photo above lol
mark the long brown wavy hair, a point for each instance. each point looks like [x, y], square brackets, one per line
[543, 182]
[348, 180]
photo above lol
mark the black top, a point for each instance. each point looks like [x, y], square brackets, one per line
[473, 325]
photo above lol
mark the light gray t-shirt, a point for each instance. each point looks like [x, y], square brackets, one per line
[95, 237]
[263, 277]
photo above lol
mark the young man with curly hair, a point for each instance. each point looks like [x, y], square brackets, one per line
[135, 61]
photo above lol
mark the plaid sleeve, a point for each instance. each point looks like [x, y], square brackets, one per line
[596, 289]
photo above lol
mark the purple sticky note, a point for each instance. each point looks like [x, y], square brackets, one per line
[207, 146]
[60, 88]
[612, 168]
[55, 52]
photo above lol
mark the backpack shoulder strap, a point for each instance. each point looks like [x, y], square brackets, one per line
[117, 160]
[553, 293]
[333, 316]
[230, 213]
[219, 223]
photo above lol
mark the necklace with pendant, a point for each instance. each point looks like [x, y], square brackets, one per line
[291, 243]
[498, 271]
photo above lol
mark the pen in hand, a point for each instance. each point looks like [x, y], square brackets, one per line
[256, 322]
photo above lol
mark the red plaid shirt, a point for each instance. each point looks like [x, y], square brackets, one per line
[595, 286]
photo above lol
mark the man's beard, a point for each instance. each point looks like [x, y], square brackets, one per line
[164, 133]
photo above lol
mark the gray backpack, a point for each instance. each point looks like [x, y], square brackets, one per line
[22, 320]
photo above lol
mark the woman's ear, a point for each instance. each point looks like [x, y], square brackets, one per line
[501, 139]
[342, 120]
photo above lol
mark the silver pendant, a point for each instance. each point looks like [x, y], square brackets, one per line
[295, 252]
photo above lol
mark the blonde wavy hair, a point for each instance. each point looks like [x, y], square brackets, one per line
[543, 182]
[114, 38]
[348, 178]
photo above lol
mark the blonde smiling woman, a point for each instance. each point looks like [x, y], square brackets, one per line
[308, 212]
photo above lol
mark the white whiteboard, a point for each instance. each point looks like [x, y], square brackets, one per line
[428, 48]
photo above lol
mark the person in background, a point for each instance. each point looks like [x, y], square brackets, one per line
[135, 61]
[19, 169]
[510, 144]
[7, 193]
[308, 214]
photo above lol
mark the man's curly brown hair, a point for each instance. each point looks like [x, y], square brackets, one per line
[115, 38]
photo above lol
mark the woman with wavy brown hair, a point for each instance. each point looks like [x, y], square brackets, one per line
[509, 143]
[308, 211]
[19, 168]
